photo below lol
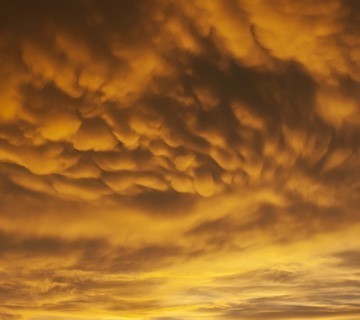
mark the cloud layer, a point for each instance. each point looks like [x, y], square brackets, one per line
[166, 160]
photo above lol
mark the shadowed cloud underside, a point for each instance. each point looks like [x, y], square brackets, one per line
[174, 159]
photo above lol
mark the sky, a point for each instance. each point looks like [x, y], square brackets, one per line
[175, 160]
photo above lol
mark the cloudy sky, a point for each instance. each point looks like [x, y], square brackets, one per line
[177, 159]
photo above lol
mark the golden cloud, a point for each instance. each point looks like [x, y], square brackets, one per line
[166, 160]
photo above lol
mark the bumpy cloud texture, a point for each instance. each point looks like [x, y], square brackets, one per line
[166, 160]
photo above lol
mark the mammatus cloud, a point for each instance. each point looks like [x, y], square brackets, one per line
[167, 160]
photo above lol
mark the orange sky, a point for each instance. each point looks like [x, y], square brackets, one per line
[175, 159]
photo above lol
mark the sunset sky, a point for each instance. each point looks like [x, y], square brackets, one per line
[179, 159]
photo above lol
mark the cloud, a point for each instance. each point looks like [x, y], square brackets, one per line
[94, 135]
[179, 160]
[350, 259]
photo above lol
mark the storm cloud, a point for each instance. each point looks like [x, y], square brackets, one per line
[179, 159]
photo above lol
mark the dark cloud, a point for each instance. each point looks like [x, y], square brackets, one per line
[348, 259]
[291, 312]
[7, 316]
